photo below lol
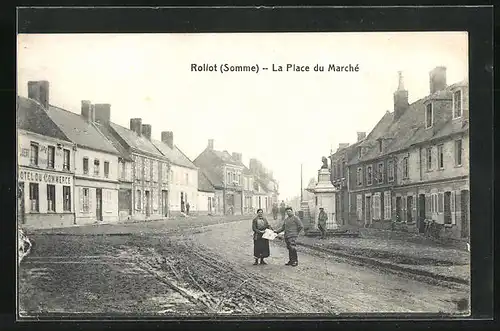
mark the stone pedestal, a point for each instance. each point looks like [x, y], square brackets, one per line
[324, 196]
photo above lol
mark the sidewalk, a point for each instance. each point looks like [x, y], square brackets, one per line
[429, 260]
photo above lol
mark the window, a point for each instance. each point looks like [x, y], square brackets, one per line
[34, 197]
[360, 152]
[369, 175]
[434, 203]
[34, 154]
[458, 152]
[380, 145]
[138, 199]
[429, 158]
[187, 179]
[359, 176]
[106, 169]
[441, 202]
[405, 167]
[51, 155]
[457, 104]
[390, 170]
[66, 159]
[85, 166]
[339, 174]
[387, 205]
[376, 206]
[441, 156]
[66, 198]
[380, 175]
[428, 116]
[85, 200]
[344, 169]
[96, 167]
[123, 169]
[359, 206]
[51, 198]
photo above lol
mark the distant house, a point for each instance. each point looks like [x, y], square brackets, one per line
[206, 196]
[150, 170]
[226, 175]
[183, 187]
[45, 161]
[262, 196]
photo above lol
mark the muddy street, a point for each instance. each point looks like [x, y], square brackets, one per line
[208, 270]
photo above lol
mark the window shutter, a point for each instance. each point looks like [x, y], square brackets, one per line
[441, 203]
[90, 201]
[452, 207]
[80, 193]
[414, 211]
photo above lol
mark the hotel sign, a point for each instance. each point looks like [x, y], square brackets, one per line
[34, 176]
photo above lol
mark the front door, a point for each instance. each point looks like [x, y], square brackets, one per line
[409, 209]
[421, 213]
[368, 210]
[164, 203]
[98, 204]
[398, 209]
[447, 207]
[464, 212]
[20, 202]
[148, 212]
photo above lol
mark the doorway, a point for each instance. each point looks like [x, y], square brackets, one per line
[98, 204]
[368, 210]
[148, 212]
[398, 209]
[421, 213]
[447, 207]
[164, 203]
[409, 209]
[20, 202]
[464, 213]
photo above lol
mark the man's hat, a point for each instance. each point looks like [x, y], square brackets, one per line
[320, 208]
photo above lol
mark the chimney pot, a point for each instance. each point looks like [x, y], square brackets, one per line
[167, 137]
[39, 91]
[86, 111]
[400, 98]
[361, 136]
[146, 131]
[210, 144]
[437, 79]
[102, 113]
[136, 125]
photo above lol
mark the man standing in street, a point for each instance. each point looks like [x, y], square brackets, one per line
[322, 218]
[292, 227]
[187, 208]
[282, 210]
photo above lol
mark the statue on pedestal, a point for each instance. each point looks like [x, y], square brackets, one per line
[325, 163]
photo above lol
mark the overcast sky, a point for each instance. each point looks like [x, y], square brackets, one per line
[283, 119]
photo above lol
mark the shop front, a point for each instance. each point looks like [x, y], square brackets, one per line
[45, 198]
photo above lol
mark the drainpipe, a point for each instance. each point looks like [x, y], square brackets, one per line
[348, 195]
[420, 162]
[73, 170]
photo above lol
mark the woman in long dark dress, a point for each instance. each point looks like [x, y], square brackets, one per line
[260, 245]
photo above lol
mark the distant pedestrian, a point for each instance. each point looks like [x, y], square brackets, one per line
[187, 208]
[282, 210]
[260, 245]
[275, 211]
[292, 226]
[322, 218]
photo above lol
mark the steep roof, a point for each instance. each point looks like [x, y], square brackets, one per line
[31, 116]
[208, 163]
[137, 143]
[125, 154]
[204, 184]
[174, 155]
[226, 157]
[80, 131]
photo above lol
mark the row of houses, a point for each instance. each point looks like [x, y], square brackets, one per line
[80, 168]
[413, 166]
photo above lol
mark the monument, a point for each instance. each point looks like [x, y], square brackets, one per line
[324, 197]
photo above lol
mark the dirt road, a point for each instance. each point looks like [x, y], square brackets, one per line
[207, 270]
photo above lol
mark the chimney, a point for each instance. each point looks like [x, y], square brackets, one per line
[437, 79]
[146, 131]
[210, 144]
[92, 113]
[102, 113]
[136, 125]
[87, 110]
[361, 136]
[168, 138]
[237, 156]
[39, 91]
[400, 98]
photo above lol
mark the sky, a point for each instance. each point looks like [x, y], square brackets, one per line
[284, 119]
